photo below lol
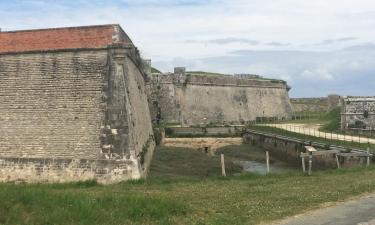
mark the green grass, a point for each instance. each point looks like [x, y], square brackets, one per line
[154, 70]
[170, 133]
[184, 188]
[243, 152]
[327, 141]
[171, 162]
[246, 199]
[333, 119]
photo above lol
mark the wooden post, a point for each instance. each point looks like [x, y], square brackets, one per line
[223, 166]
[268, 162]
[337, 162]
[310, 163]
[303, 164]
[368, 157]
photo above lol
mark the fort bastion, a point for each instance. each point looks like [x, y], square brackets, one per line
[73, 106]
[195, 98]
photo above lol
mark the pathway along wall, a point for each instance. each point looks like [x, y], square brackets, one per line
[289, 150]
[72, 115]
[204, 99]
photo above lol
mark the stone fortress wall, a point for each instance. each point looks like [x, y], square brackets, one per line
[192, 99]
[73, 106]
[322, 104]
[358, 113]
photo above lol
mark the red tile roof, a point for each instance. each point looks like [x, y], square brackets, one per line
[62, 38]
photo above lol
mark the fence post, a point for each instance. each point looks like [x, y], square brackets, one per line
[268, 162]
[310, 163]
[303, 164]
[368, 156]
[223, 166]
[337, 162]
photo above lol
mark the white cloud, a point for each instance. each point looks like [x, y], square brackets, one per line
[317, 74]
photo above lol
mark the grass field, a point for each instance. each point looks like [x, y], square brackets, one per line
[171, 198]
[170, 162]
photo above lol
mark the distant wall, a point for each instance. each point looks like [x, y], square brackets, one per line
[207, 145]
[203, 99]
[323, 104]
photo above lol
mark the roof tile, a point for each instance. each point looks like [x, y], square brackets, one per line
[60, 38]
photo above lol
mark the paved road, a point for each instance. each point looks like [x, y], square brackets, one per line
[355, 212]
[313, 130]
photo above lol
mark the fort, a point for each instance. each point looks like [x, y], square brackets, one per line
[73, 106]
[77, 104]
[198, 98]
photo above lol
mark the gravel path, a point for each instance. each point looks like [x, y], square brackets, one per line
[313, 130]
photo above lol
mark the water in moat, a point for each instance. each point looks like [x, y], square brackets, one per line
[261, 167]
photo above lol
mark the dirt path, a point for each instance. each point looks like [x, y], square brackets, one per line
[313, 130]
[355, 212]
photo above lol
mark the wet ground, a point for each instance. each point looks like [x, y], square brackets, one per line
[261, 168]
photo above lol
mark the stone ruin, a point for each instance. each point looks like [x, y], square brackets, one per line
[358, 113]
[73, 106]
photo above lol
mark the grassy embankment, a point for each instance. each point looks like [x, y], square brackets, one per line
[330, 120]
[328, 141]
[184, 199]
[330, 123]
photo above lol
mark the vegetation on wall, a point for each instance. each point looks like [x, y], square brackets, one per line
[332, 120]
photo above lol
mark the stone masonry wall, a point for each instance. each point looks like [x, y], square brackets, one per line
[51, 104]
[141, 127]
[191, 100]
[74, 115]
[52, 170]
[358, 113]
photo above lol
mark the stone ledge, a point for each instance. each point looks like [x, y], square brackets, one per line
[38, 170]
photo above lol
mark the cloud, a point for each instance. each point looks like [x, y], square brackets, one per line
[361, 47]
[280, 39]
[317, 74]
[347, 71]
[338, 40]
[229, 40]
[233, 40]
[277, 44]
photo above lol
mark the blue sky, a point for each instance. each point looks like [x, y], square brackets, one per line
[319, 47]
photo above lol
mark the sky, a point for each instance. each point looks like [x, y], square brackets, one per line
[319, 47]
